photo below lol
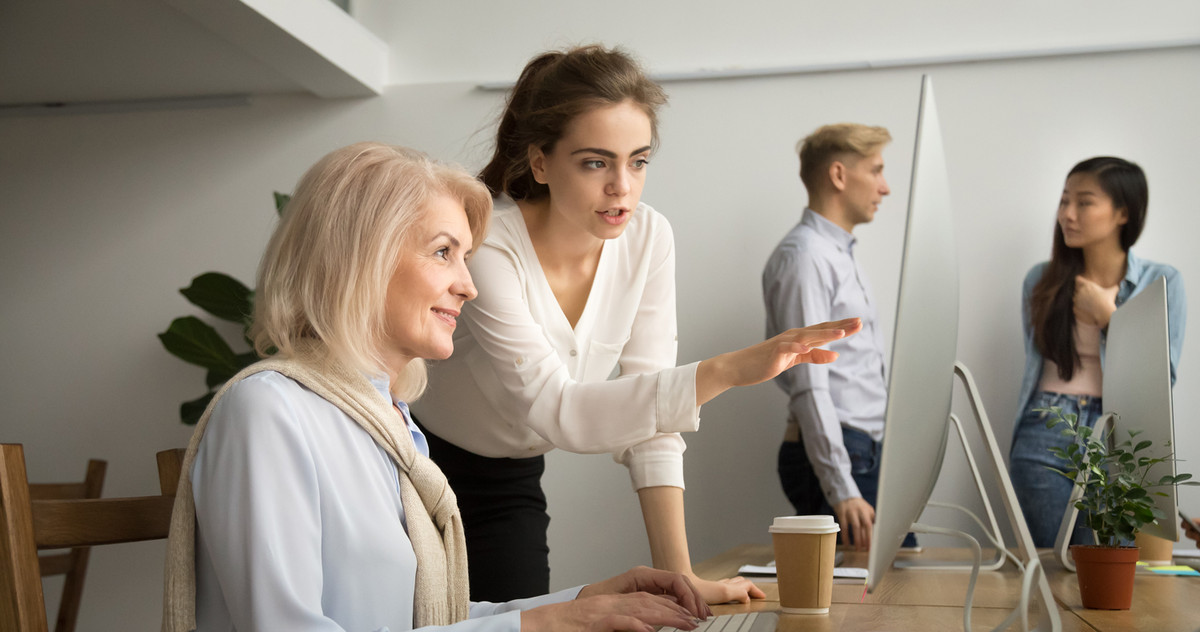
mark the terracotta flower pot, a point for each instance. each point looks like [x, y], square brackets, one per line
[1105, 575]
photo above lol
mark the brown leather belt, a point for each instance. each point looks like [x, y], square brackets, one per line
[791, 434]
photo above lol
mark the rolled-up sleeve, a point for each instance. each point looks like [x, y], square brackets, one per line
[652, 348]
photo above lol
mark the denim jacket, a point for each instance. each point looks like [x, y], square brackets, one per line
[1138, 274]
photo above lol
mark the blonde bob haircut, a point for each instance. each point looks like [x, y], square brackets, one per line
[326, 269]
[836, 142]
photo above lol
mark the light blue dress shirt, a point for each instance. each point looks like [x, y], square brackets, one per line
[1138, 274]
[300, 525]
[810, 278]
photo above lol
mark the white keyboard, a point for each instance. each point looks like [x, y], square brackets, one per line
[745, 622]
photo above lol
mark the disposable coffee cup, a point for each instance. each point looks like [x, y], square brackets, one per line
[1154, 551]
[804, 550]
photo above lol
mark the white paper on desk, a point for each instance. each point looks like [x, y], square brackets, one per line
[1188, 553]
[839, 572]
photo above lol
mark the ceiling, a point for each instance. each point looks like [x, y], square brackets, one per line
[79, 52]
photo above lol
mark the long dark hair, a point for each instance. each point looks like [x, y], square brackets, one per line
[1051, 309]
[553, 89]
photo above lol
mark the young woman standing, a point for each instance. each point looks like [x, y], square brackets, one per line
[1067, 303]
[577, 285]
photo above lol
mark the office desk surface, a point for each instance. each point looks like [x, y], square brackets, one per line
[908, 599]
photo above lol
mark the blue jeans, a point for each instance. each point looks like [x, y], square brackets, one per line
[1043, 494]
[803, 488]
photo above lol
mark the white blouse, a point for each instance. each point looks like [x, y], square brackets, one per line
[522, 381]
[300, 524]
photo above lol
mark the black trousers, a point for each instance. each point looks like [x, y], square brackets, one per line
[803, 488]
[504, 515]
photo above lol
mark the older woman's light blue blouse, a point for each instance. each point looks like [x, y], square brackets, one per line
[300, 524]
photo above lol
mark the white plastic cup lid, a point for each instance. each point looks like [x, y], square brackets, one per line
[804, 524]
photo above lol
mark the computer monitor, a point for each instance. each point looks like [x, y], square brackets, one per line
[923, 348]
[1137, 388]
[923, 367]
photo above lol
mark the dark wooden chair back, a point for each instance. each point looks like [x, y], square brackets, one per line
[28, 525]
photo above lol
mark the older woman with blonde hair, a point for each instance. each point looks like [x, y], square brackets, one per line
[308, 500]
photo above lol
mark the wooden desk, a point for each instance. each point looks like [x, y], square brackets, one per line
[908, 599]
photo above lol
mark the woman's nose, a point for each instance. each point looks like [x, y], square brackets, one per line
[619, 185]
[464, 287]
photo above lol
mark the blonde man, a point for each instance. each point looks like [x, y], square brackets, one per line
[829, 459]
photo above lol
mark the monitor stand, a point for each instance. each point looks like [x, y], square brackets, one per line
[1049, 620]
[1062, 544]
[997, 540]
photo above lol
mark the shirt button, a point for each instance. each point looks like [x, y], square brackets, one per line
[520, 361]
[574, 353]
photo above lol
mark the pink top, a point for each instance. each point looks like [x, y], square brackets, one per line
[1088, 378]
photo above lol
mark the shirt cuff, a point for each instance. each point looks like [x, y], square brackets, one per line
[489, 609]
[676, 407]
[841, 487]
[657, 462]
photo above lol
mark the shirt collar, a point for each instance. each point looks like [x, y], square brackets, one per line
[828, 229]
[383, 385]
[1133, 268]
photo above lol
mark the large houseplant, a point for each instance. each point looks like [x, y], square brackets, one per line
[197, 342]
[1116, 502]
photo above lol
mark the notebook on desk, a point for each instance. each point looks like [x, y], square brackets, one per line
[743, 622]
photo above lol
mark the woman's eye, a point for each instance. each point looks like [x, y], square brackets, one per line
[641, 163]
[593, 164]
[443, 252]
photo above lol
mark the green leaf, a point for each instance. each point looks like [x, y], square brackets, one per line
[281, 200]
[190, 412]
[246, 359]
[196, 342]
[1142, 445]
[217, 377]
[220, 295]
[214, 378]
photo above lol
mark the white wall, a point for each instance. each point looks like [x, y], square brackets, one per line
[104, 217]
[432, 41]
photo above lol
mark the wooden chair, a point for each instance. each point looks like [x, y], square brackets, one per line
[28, 525]
[170, 466]
[73, 562]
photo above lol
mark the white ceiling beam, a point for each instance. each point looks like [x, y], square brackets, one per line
[312, 42]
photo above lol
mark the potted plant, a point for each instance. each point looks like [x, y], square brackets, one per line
[196, 342]
[1117, 501]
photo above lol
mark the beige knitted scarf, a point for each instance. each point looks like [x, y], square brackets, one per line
[430, 507]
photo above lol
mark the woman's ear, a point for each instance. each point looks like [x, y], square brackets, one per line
[537, 164]
[1122, 216]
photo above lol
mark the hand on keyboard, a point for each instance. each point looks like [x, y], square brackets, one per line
[744, 622]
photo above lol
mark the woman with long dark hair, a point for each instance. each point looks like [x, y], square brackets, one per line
[576, 286]
[1066, 306]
